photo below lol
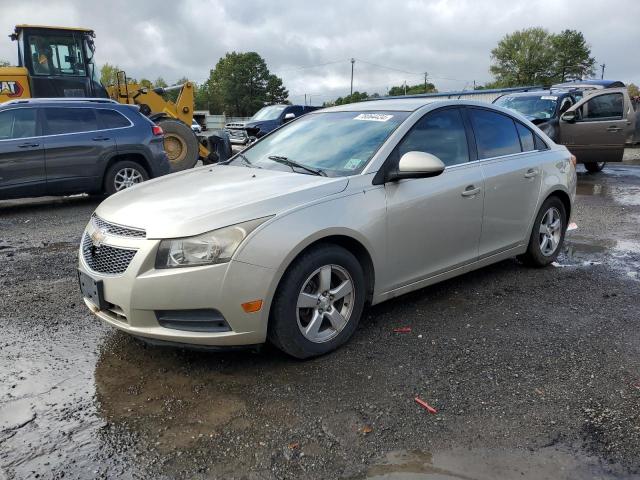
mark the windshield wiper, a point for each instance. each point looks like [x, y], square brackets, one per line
[293, 164]
[245, 160]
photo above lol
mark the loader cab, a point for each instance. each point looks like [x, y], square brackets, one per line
[60, 61]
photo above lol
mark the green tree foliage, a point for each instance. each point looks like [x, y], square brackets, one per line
[4, 63]
[355, 97]
[109, 74]
[535, 56]
[160, 82]
[572, 56]
[633, 89]
[146, 83]
[241, 84]
[412, 89]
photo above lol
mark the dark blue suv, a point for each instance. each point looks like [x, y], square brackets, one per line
[67, 146]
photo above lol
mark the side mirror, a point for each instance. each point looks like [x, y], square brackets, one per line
[289, 116]
[417, 165]
[569, 117]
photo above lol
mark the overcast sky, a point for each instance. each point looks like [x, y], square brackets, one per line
[309, 44]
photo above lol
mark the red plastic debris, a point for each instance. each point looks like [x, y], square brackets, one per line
[426, 406]
[402, 330]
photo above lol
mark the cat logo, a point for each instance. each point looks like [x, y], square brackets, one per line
[10, 88]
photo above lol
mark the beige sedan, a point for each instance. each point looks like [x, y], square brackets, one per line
[347, 206]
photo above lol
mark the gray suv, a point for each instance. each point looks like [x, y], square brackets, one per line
[68, 146]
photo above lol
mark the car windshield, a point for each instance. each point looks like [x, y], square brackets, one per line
[538, 107]
[333, 143]
[269, 113]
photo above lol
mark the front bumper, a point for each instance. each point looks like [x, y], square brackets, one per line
[134, 297]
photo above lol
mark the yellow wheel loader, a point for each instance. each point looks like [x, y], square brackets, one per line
[59, 62]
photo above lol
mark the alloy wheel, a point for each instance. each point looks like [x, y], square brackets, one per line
[126, 177]
[325, 303]
[550, 231]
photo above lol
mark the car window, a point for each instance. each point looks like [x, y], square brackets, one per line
[70, 120]
[526, 138]
[112, 119]
[17, 123]
[440, 133]
[495, 133]
[608, 106]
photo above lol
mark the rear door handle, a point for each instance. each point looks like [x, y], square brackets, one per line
[28, 145]
[613, 129]
[100, 139]
[470, 191]
[531, 173]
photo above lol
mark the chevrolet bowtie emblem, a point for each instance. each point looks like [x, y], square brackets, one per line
[98, 236]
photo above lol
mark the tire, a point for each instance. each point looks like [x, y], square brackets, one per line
[594, 167]
[336, 318]
[119, 172]
[540, 253]
[180, 143]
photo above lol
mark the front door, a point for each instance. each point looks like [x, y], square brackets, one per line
[434, 224]
[22, 171]
[600, 128]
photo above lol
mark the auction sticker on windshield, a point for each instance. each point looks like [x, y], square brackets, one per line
[548, 97]
[373, 117]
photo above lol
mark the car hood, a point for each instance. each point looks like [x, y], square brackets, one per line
[206, 198]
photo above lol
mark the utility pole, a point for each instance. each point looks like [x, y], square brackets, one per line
[305, 99]
[602, 74]
[425, 82]
[353, 60]
[474, 84]
[405, 87]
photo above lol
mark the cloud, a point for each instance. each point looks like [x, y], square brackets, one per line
[451, 40]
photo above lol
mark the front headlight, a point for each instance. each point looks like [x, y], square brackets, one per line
[217, 246]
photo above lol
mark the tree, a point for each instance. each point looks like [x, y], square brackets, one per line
[160, 83]
[355, 97]
[4, 63]
[241, 84]
[573, 60]
[413, 89]
[633, 90]
[534, 56]
[146, 83]
[109, 74]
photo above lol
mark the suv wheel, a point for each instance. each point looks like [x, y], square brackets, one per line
[318, 303]
[594, 167]
[547, 235]
[123, 175]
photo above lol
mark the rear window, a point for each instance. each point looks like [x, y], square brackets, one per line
[526, 138]
[70, 120]
[112, 119]
[496, 134]
[17, 123]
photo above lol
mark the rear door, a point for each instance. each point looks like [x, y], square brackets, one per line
[507, 151]
[76, 150]
[600, 129]
[22, 170]
[434, 224]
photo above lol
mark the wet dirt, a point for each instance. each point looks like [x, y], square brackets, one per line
[533, 372]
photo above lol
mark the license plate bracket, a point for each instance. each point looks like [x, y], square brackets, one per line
[92, 289]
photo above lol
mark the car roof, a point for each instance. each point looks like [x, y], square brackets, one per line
[67, 102]
[391, 104]
[590, 83]
[538, 93]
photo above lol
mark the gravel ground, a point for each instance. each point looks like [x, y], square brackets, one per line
[534, 373]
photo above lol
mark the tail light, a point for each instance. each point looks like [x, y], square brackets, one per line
[157, 130]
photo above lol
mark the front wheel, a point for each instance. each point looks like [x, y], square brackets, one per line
[547, 235]
[318, 303]
[594, 167]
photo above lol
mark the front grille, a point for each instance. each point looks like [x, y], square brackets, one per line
[117, 230]
[104, 258]
[237, 133]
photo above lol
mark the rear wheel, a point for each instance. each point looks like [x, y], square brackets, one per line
[318, 303]
[547, 235]
[180, 143]
[122, 175]
[594, 167]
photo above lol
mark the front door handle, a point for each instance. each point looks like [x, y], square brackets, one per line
[613, 129]
[531, 173]
[100, 139]
[28, 145]
[470, 191]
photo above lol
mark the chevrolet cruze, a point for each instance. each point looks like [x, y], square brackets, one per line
[342, 207]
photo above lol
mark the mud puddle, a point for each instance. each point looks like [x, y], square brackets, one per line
[488, 464]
